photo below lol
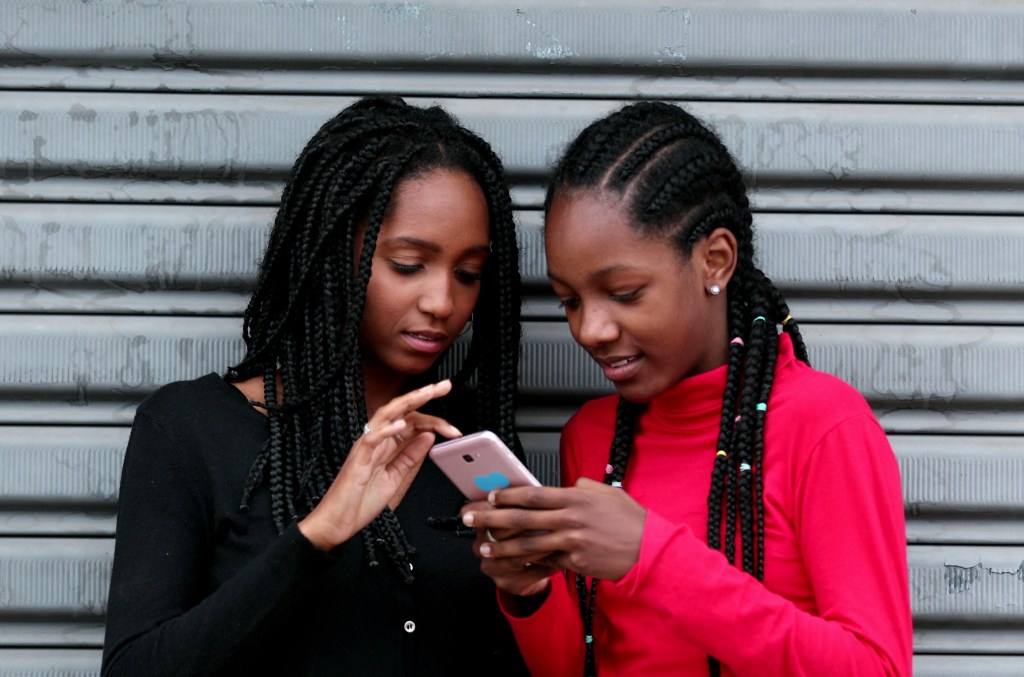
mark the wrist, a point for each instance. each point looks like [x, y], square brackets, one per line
[521, 606]
[322, 538]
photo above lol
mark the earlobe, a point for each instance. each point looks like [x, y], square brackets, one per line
[719, 255]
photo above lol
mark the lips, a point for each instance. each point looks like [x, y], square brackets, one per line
[426, 341]
[620, 367]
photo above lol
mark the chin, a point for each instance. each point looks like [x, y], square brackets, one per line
[638, 394]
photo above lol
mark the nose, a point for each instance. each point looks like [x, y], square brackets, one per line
[436, 296]
[593, 327]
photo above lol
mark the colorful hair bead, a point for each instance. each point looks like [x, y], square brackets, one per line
[789, 318]
[721, 452]
[617, 484]
[588, 639]
[738, 341]
[737, 419]
[760, 318]
[761, 406]
[609, 469]
[744, 467]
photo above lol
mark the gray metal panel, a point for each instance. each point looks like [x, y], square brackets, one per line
[160, 104]
[868, 267]
[969, 666]
[967, 586]
[133, 247]
[227, 139]
[580, 83]
[739, 36]
[59, 480]
[49, 663]
[59, 578]
[918, 379]
[60, 466]
[956, 488]
[972, 587]
[889, 268]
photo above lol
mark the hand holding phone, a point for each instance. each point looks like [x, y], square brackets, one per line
[479, 463]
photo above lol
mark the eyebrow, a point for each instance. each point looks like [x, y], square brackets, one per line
[433, 246]
[604, 272]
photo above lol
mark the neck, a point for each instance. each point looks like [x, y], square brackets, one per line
[380, 387]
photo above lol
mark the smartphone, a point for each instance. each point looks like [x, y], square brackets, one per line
[480, 462]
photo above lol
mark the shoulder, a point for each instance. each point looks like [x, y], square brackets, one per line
[197, 413]
[802, 393]
[594, 414]
[184, 398]
[593, 425]
[818, 418]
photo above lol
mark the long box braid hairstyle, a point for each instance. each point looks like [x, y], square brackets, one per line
[302, 322]
[676, 179]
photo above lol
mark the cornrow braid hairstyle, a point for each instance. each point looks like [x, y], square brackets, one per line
[301, 327]
[676, 179]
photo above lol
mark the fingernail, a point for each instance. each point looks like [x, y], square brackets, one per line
[485, 550]
[467, 519]
[492, 498]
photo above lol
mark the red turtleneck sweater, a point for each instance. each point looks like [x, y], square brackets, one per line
[835, 598]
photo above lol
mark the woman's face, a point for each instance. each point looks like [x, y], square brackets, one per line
[425, 275]
[635, 303]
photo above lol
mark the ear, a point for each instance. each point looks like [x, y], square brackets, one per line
[718, 257]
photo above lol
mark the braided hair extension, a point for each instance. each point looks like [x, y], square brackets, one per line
[301, 326]
[676, 179]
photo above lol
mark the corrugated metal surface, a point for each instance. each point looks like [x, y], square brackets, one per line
[143, 145]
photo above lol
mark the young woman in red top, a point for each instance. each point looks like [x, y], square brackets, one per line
[730, 510]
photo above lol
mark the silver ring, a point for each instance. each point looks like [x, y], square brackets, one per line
[367, 429]
[489, 536]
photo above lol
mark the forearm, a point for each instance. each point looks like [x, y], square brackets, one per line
[549, 632]
[221, 632]
[732, 616]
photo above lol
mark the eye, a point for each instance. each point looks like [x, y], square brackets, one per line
[405, 268]
[570, 303]
[468, 276]
[626, 297]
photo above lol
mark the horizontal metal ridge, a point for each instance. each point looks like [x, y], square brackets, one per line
[744, 36]
[971, 587]
[101, 258]
[956, 488]
[229, 139]
[49, 662]
[79, 360]
[952, 199]
[791, 85]
[969, 665]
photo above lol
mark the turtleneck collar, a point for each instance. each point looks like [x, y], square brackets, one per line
[695, 402]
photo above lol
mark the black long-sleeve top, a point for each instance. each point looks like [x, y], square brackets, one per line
[201, 587]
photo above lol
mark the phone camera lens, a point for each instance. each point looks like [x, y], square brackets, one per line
[467, 458]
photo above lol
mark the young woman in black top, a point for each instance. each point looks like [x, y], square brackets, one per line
[281, 519]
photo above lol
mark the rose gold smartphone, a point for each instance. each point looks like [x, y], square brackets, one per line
[480, 462]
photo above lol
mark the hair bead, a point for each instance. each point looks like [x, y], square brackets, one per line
[744, 467]
[789, 318]
[722, 452]
[737, 341]
[759, 318]
[761, 406]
